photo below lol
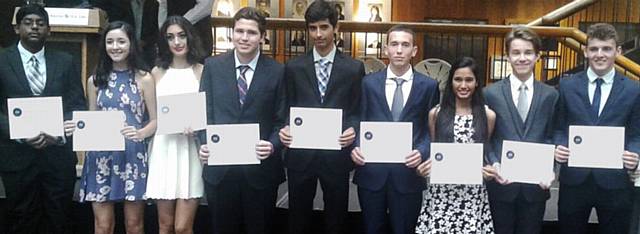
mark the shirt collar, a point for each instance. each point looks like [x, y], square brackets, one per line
[330, 56]
[26, 55]
[252, 64]
[407, 76]
[608, 78]
[515, 82]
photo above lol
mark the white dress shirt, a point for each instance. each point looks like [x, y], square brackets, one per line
[515, 92]
[252, 68]
[330, 56]
[390, 86]
[605, 88]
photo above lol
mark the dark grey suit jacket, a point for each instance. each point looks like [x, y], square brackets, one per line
[265, 104]
[538, 128]
[343, 92]
[63, 79]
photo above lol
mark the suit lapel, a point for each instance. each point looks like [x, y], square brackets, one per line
[381, 86]
[256, 82]
[16, 64]
[310, 70]
[616, 92]
[515, 117]
[229, 81]
[535, 104]
[582, 89]
[52, 69]
[413, 94]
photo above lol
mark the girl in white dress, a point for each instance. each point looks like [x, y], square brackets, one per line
[175, 172]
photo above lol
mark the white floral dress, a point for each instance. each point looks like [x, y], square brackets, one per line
[452, 208]
[118, 175]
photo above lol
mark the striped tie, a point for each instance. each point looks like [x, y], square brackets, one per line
[323, 77]
[242, 83]
[34, 76]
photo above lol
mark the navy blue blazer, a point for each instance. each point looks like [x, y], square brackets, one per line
[621, 109]
[265, 104]
[374, 107]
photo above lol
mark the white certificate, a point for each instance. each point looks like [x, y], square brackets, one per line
[30, 116]
[233, 144]
[177, 112]
[315, 128]
[98, 131]
[526, 162]
[386, 142]
[596, 147]
[454, 163]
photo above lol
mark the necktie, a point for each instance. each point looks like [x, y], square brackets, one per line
[323, 77]
[242, 83]
[398, 100]
[36, 83]
[523, 102]
[595, 103]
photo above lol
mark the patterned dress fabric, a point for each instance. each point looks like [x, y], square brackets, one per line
[109, 176]
[452, 208]
[175, 172]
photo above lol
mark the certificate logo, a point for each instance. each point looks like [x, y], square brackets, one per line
[439, 156]
[215, 138]
[368, 135]
[577, 140]
[17, 112]
[80, 124]
[510, 154]
[298, 121]
[165, 109]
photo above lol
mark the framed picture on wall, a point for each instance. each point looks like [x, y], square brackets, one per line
[500, 68]
[370, 44]
[222, 35]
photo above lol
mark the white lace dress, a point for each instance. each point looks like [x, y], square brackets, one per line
[452, 208]
[175, 171]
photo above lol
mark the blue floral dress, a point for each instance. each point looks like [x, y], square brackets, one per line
[118, 175]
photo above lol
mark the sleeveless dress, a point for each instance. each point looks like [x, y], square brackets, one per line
[175, 172]
[452, 208]
[118, 175]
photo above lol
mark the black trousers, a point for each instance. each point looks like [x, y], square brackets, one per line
[302, 191]
[613, 207]
[237, 207]
[401, 209]
[39, 197]
[517, 217]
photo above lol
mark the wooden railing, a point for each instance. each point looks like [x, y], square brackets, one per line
[494, 34]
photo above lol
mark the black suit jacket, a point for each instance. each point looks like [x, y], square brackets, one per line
[343, 92]
[538, 128]
[63, 79]
[265, 104]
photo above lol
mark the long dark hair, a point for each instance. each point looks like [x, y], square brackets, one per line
[446, 115]
[105, 64]
[194, 53]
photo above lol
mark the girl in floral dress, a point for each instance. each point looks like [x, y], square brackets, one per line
[461, 118]
[120, 83]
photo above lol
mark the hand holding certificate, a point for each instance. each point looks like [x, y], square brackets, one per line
[182, 111]
[525, 162]
[28, 117]
[98, 131]
[385, 142]
[596, 147]
[233, 144]
[315, 128]
[455, 163]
